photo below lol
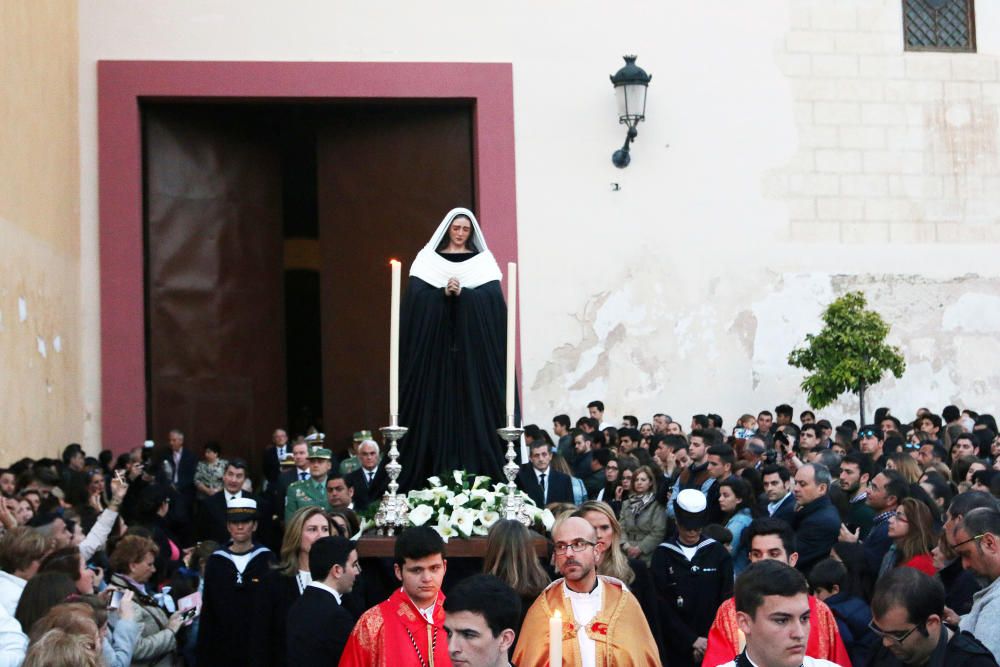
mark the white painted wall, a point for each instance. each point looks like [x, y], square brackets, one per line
[792, 151]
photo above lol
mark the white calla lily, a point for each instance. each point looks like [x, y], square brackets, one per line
[421, 514]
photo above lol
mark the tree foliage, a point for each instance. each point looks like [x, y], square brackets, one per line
[848, 355]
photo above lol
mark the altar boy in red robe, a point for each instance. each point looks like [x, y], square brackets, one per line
[407, 630]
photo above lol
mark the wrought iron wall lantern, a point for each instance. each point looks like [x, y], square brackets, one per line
[630, 82]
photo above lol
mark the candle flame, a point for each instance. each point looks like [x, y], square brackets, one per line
[558, 615]
[393, 261]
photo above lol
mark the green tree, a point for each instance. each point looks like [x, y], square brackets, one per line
[848, 355]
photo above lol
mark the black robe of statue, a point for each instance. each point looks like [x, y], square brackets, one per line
[452, 381]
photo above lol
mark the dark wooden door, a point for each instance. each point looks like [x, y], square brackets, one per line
[386, 178]
[215, 315]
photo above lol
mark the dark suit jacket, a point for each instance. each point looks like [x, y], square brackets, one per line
[212, 519]
[364, 495]
[817, 529]
[785, 511]
[271, 465]
[560, 486]
[185, 472]
[318, 629]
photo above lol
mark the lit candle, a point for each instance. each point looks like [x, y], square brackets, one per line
[511, 331]
[742, 639]
[394, 340]
[555, 638]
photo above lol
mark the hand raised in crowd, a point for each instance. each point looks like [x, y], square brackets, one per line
[119, 487]
[847, 536]
[7, 508]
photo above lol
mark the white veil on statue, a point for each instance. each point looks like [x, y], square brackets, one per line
[435, 270]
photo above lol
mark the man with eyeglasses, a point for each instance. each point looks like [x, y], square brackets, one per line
[886, 492]
[976, 540]
[602, 622]
[907, 610]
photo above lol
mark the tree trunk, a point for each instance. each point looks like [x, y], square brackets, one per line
[861, 401]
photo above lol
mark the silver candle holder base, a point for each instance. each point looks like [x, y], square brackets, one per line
[393, 512]
[513, 506]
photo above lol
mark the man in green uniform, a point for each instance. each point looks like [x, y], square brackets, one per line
[352, 463]
[311, 491]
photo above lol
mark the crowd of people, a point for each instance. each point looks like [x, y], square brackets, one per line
[771, 542]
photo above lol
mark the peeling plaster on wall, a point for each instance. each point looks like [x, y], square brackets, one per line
[973, 313]
[744, 327]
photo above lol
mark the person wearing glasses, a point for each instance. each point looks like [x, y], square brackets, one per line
[911, 528]
[907, 611]
[976, 540]
[602, 622]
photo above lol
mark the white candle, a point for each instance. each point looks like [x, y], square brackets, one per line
[555, 640]
[511, 331]
[741, 639]
[394, 340]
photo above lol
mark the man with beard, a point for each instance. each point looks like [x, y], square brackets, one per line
[907, 609]
[779, 499]
[855, 473]
[601, 620]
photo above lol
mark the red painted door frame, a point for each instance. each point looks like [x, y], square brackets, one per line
[123, 85]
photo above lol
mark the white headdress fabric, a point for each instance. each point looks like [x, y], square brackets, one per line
[435, 270]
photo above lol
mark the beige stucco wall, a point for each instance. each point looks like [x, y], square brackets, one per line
[40, 349]
[792, 151]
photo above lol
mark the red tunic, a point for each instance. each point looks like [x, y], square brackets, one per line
[824, 639]
[395, 632]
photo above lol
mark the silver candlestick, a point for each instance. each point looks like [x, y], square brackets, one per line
[513, 503]
[393, 511]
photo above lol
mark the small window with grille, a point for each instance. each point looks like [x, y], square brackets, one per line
[939, 25]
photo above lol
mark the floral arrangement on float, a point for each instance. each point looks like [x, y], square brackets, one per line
[467, 506]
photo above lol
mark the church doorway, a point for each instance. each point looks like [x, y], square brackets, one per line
[267, 233]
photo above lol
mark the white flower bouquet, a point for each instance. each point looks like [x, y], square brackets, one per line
[468, 505]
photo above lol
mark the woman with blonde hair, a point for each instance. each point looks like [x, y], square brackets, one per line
[510, 556]
[62, 648]
[905, 465]
[289, 578]
[614, 562]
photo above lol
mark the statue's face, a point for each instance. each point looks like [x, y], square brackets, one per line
[460, 230]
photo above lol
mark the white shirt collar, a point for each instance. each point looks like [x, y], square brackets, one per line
[323, 587]
[428, 613]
